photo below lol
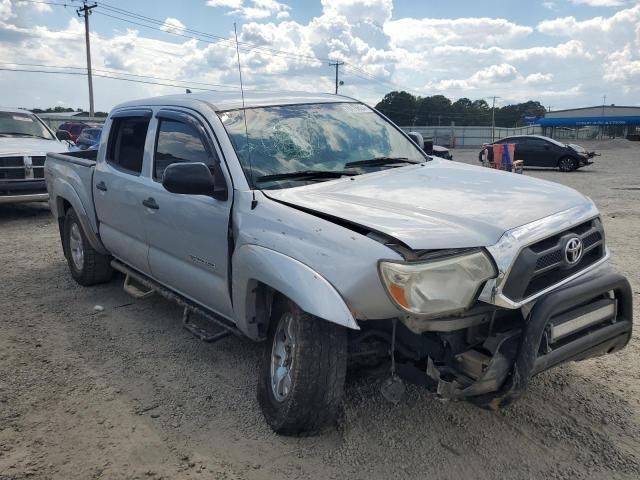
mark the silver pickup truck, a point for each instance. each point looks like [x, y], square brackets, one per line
[315, 225]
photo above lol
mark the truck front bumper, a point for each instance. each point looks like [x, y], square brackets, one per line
[588, 317]
[18, 191]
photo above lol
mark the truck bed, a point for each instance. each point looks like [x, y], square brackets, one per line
[69, 178]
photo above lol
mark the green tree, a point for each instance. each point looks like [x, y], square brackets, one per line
[513, 115]
[431, 110]
[400, 107]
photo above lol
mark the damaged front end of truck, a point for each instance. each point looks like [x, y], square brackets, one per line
[552, 299]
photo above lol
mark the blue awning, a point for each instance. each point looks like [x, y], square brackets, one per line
[586, 121]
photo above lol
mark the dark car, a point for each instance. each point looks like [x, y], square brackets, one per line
[427, 145]
[539, 151]
[89, 138]
[74, 129]
[442, 152]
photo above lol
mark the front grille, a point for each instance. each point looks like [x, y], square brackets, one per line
[22, 168]
[542, 264]
[12, 173]
[11, 162]
[549, 259]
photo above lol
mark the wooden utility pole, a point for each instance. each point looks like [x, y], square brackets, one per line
[493, 120]
[336, 64]
[85, 11]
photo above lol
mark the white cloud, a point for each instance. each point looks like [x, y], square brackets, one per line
[413, 33]
[173, 25]
[6, 12]
[538, 78]
[225, 3]
[38, 7]
[495, 73]
[376, 11]
[253, 9]
[623, 66]
[600, 3]
[549, 5]
[595, 29]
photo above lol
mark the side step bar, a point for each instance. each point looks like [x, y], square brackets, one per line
[214, 328]
[134, 291]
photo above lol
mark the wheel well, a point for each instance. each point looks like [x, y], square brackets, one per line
[260, 302]
[63, 206]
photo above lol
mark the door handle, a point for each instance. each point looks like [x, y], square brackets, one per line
[101, 186]
[151, 203]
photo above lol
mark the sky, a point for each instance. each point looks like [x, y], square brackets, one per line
[564, 53]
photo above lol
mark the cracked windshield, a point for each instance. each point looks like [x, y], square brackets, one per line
[294, 143]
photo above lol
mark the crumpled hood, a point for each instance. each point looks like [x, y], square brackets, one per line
[440, 204]
[30, 146]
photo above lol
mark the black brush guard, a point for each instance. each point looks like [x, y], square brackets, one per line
[604, 339]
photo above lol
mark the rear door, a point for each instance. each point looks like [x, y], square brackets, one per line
[522, 150]
[188, 234]
[118, 188]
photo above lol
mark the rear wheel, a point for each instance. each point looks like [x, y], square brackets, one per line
[303, 370]
[88, 266]
[567, 164]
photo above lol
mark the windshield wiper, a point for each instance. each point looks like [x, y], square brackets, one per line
[24, 134]
[306, 175]
[379, 162]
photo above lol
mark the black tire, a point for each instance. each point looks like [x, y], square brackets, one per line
[93, 268]
[567, 164]
[317, 373]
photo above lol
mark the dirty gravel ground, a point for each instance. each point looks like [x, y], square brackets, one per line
[127, 393]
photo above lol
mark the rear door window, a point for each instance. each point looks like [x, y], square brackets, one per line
[127, 137]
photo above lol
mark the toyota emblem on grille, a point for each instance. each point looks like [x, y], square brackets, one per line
[573, 251]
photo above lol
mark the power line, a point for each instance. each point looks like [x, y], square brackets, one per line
[47, 3]
[246, 46]
[122, 72]
[129, 13]
[197, 35]
[98, 75]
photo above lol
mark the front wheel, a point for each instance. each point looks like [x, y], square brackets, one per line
[303, 371]
[567, 164]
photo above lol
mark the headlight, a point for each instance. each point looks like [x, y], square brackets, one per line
[437, 287]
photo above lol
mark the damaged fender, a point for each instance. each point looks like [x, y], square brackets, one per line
[304, 286]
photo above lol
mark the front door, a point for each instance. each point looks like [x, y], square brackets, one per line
[117, 189]
[540, 153]
[188, 233]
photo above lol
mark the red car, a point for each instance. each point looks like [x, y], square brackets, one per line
[74, 129]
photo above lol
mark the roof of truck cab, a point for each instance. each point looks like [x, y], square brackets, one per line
[221, 101]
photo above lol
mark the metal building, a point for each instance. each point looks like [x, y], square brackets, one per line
[592, 122]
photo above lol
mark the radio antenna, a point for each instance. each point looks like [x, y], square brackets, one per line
[254, 202]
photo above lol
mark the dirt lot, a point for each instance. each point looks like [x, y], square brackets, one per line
[127, 393]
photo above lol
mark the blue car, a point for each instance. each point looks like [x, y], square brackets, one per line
[89, 139]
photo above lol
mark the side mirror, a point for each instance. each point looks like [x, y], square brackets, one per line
[416, 137]
[63, 135]
[192, 178]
